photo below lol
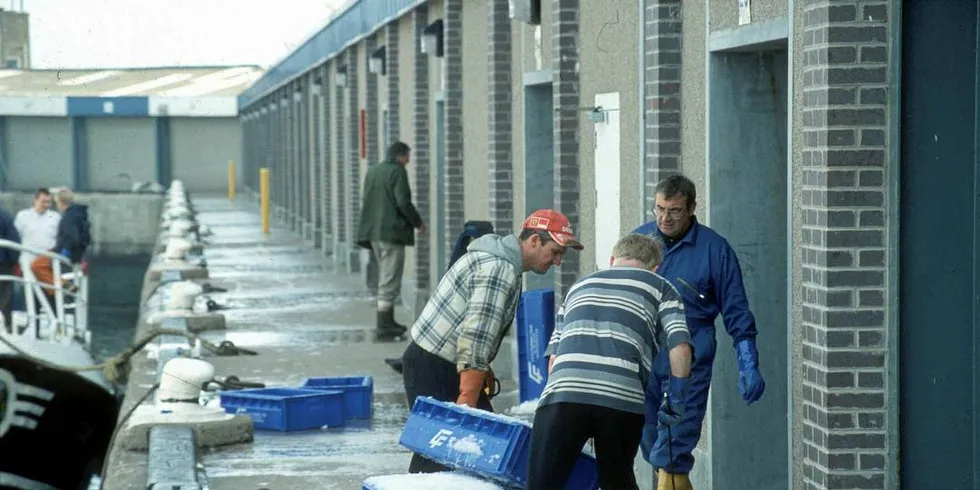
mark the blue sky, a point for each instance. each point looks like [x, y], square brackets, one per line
[137, 33]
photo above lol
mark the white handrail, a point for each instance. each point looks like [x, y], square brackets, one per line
[34, 251]
[65, 321]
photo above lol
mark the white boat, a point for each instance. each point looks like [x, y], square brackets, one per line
[50, 411]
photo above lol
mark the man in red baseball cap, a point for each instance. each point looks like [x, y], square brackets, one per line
[457, 335]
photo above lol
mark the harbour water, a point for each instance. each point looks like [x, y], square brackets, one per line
[114, 294]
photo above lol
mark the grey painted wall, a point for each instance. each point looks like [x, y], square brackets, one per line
[748, 206]
[37, 152]
[200, 149]
[724, 14]
[117, 146]
[15, 38]
[122, 224]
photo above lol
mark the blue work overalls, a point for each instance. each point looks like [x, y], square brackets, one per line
[703, 268]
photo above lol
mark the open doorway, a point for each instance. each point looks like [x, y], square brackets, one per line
[539, 163]
[749, 205]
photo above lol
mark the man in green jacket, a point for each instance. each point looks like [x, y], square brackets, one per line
[388, 221]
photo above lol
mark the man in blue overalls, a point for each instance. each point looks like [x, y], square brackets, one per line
[703, 267]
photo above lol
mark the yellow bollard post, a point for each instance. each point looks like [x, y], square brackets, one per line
[264, 198]
[231, 180]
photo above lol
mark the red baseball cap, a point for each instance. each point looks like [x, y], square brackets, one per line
[557, 226]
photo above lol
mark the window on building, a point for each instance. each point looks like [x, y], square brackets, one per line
[13, 63]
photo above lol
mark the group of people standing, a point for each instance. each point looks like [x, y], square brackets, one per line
[631, 354]
[65, 232]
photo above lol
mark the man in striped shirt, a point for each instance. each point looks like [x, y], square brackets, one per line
[608, 331]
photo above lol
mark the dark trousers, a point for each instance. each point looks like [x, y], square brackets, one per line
[681, 439]
[7, 295]
[561, 429]
[427, 374]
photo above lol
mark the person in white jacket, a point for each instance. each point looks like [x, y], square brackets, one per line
[38, 224]
[38, 228]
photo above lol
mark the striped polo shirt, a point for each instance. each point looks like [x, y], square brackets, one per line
[608, 331]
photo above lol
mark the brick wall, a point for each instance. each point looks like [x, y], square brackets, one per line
[371, 104]
[282, 147]
[302, 155]
[499, 92]
[845, 121]
[420, 150]
[391, 72]
[326, 161]
[340, 164]
[312, 160]
[354, 160]
[295, 154]
[565, 39]
[662, 81]
[454, 188]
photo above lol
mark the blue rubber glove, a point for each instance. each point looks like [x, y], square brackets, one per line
[750, 382]
[65, 253]
[672, 408]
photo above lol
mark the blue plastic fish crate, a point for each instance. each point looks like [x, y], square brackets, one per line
[358, 392]
[429, 481]
[287, 409]
[535, 322]
[491, 445]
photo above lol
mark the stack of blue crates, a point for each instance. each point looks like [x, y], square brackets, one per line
[320, 402]
[535, 322]
[490, 445]
[358, 393]
[287, 409]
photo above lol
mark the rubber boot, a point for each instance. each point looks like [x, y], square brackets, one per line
[676, 481]
[386, 328]
[386, 321]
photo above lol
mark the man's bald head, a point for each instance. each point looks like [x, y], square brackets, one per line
[64, 198]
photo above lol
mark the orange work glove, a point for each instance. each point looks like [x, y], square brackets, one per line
[470, 386]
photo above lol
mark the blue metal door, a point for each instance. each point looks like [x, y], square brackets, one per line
[939, 272]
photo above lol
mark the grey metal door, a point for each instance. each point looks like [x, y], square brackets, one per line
[939, 247]
[539, 164]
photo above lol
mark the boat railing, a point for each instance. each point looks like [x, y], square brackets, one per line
[61, 316]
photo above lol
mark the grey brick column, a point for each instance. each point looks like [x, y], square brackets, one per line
[293, 150]
[662, 107]
[453, 107]
[301, 162]
[295, 203]
[371, 104]
[565, 38]
[326, 161]
[394, 90]
[420, 152]
[341, 256]
[844, 230]
[499, 102]
[312, 161]
[354, 161]
[283, 163]
[272, 151]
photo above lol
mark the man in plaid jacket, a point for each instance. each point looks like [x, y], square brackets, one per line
[459, 332]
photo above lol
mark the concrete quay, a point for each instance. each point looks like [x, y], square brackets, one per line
[285, 302]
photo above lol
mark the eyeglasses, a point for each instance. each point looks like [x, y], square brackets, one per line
[673, 213]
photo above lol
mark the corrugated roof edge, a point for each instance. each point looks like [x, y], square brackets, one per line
[137, 68]
[349, 25]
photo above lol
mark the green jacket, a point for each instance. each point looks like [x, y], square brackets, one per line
[387, 212]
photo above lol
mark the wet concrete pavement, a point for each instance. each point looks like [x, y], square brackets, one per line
[303, 319]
